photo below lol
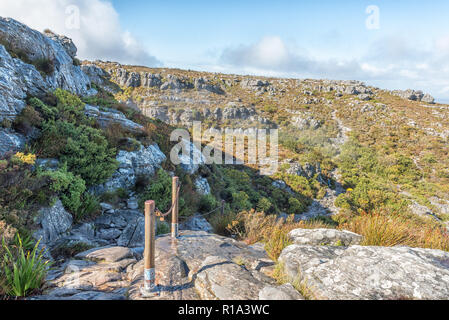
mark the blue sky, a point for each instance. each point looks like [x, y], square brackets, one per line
[314, 39]
[173, 30]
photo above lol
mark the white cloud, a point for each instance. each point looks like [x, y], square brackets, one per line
[99, 35]
[393, 62]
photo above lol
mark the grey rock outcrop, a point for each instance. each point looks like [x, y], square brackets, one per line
[196, 223]
[197, 266]
[190, 163]
[19, 78]
[96, 74]
[107, 116]
[58, 49]
[327, 237]
[202, 186]
[306, 122]
[217, 279]
[143, 162]
[10, 142]
[369, 273]
[203, 84]
[414, 95]
[55, 221]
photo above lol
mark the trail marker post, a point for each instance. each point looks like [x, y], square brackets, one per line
[149, 289]
[175, 202]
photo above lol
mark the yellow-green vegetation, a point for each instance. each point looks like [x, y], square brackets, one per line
[386, 229]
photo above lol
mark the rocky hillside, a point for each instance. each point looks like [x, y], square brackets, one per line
[358, 209]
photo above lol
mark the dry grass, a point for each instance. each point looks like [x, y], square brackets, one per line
[380, 229]
[253, 227]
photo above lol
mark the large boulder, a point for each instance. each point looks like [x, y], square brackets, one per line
[414, 95]
[19, 78]
[369, 273]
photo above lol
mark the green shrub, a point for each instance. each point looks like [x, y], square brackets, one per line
[70, 107]
[24, 270]
[27, 120]
[45, 66]
[162, 227]
[47, 111]
[295, 206]
[69, 188]
[84, 150]
[160, 190]
[240, 201]
[264, 205]
[90, 207]
[207, 203]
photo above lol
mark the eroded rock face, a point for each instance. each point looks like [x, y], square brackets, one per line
[324, 237]
[197, 223]
[96, 74]
[17, 78]
[187, 268]
[191, 158]
[370, 273]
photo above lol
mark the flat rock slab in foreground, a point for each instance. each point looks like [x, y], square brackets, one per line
[198, 265]
[204, 266]
[370, 273]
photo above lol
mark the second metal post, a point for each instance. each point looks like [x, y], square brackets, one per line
[175, 201]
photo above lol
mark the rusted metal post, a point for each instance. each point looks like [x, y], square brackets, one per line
[175, 202]
[149, 288]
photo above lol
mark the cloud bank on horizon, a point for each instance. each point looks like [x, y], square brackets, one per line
[391, 61]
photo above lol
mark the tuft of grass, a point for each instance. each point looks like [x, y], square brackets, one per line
[24, 271]
[387, 230]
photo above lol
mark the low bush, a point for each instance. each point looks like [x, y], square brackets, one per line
[70, 188]
[207, 203]
[84, 150]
